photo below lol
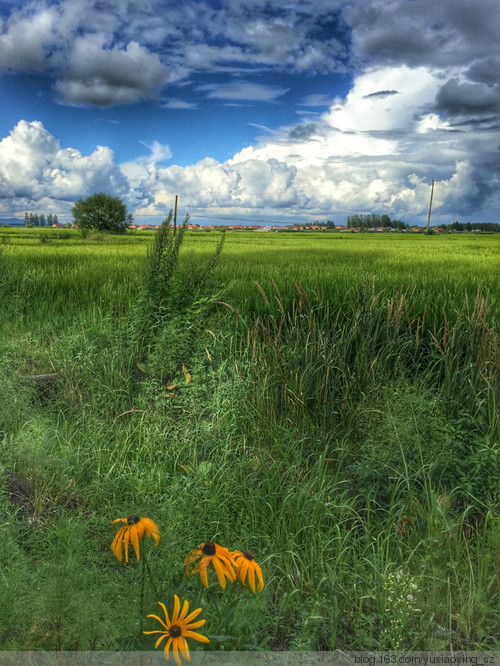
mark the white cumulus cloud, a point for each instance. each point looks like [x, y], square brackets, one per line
[375, 151]
[33, 167]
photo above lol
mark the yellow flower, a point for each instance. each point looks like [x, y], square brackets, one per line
[220, 558]
[178, 630]
[246, 565]
[133, 531]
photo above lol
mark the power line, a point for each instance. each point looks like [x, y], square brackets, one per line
[231, 219]
[195, 215]
[213, 217]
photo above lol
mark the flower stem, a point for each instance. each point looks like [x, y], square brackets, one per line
[221, 613]
[141, 597]
[151, 578]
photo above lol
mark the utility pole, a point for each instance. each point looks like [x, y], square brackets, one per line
[175, 211]
[430, 207]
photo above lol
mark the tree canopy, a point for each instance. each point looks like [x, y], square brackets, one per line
[101, 212]
[373, 220]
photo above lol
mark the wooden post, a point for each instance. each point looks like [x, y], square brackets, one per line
[175, 212]
[430, 207]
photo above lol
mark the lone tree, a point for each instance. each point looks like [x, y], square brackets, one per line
[101, 212]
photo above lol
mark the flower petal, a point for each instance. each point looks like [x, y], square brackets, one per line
[185, 608]
[184, 648]
[151, 529]
[258, 571]
[204, 577]
[226, 569]
[228, 564]
[192, 556]
[203, 563]
[126, 539]
[120, 520]
[193, 625]
[167, 646]
[177, 605]
[175, 650]
[134, 538]
[164, 609]
[251, 577]
[192, 615]
[220, 551]
[220, 571]
[242, 574]
[231, 574]
[196, 636]
[160, 640]
[140, 528]
[117, 544]
[155, 617]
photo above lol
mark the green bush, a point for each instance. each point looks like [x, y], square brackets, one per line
[101, 212]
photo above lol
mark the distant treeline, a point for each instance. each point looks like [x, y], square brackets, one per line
[309, 225]
[372, 220]
[472, 226]
[35, 220]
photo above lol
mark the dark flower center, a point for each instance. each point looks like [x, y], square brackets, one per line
[133, 520]
[248, 555]
[208, 548]
[175, 631]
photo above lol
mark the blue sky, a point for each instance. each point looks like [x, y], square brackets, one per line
[252, 108]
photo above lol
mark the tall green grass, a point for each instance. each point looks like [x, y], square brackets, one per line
[107, 270]
[342, 426]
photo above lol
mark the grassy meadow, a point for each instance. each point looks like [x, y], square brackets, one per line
[328, 402]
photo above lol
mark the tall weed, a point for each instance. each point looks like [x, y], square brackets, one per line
[176, 298]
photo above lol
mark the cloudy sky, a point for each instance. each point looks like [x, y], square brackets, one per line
[261, 110]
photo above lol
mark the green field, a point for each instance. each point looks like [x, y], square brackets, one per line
[440, 268]
[341, 423]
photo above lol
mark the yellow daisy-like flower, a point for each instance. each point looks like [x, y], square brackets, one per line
[133, 531]
[246, 565]
[221, 559]
[177, 630]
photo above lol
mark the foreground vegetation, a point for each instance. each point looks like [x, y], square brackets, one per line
[328, 403]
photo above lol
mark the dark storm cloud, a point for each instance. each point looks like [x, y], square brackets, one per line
[466, 124]
[486, 71]
[106, 77]
[424, 32]
[456, 98]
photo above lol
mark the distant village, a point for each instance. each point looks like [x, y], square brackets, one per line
[259, 228]
[336, 228]
[355, 224]
[240, 227]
